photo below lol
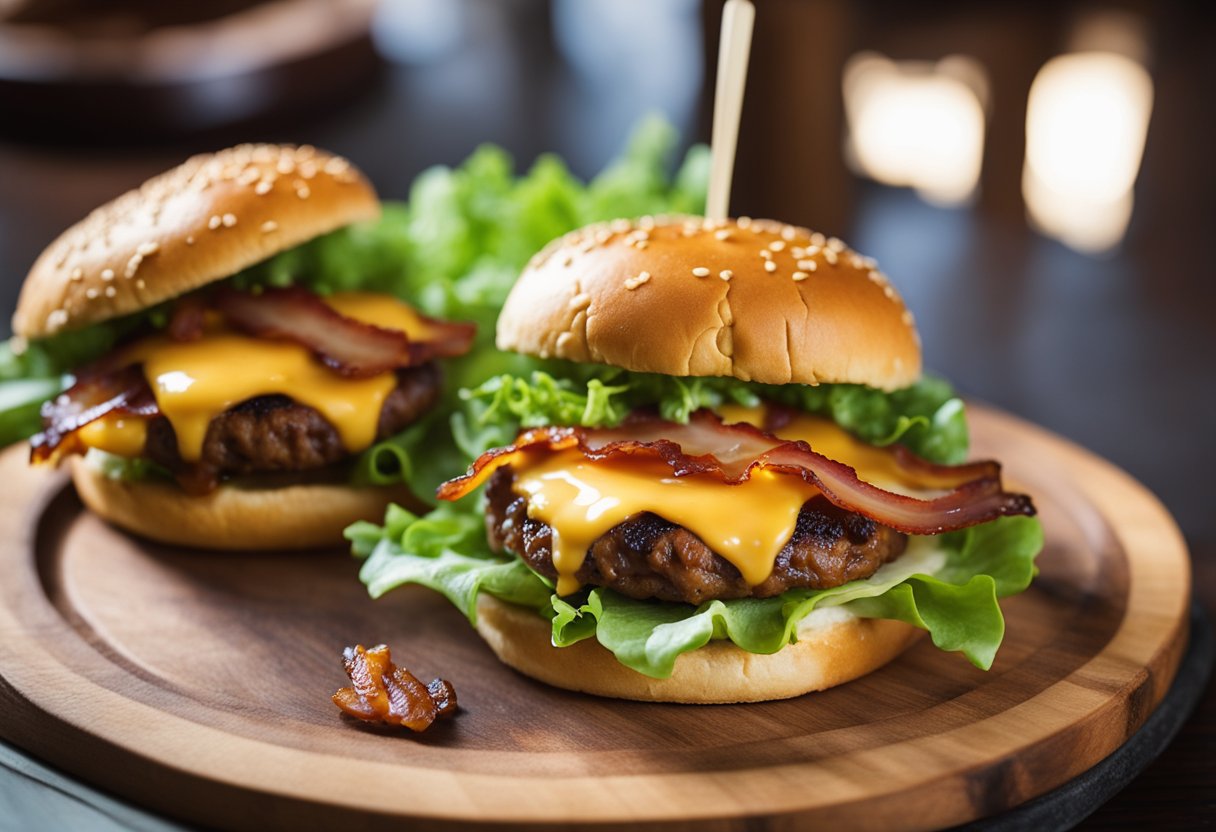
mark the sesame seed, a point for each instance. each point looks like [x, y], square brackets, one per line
[215, 222]
[907, 318]
[77, 273]
[830, 255]
[140, 284]
[811, 251]
[229, 220]
[91, 293]
[263, 187]
[133, 265]
[286, 165]
[766, 254]
[641, 245]
[808, 265]
[744, 222]
[777, 245]
[770, 266]
[646, 223]
[107, 275]
[818, 239]
[726, 274]
[856, 262]
[302, 191]
[889, 291]
[634, 282]
[308, 170]
[800, 276]
[190, 240]
[569, 259]
[248, 176]
[149, 248]
[336, 165]
[111, 291]
[836, 244]
[723, 234]
[580, 301]
[788, 233]
[620, 226]
[269, 226]
[700, 271]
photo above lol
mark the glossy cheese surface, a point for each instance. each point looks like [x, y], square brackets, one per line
[747, 524]
[116, 434]
[580, 500]
[195, 381]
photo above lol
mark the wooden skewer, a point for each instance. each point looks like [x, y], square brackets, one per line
[738, 17]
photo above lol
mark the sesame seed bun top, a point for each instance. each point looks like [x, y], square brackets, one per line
[754, 299]
[203, 221]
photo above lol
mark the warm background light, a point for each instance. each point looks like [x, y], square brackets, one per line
[917, 124]
[1086, 122]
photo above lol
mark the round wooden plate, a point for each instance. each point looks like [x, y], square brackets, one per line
[198, 685]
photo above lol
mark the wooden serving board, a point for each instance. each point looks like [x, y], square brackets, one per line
[198, 685]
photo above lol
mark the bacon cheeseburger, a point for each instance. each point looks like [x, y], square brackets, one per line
[697, 503]
[220, 413]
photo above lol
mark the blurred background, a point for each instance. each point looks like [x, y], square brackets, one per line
[1036, 177]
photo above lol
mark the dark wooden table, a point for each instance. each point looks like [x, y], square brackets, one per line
[1115, 353]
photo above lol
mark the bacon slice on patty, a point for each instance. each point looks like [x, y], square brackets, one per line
[708, 447]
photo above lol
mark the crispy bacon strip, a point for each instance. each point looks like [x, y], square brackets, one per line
[731, 452]
[96, 393]
[380, 691]
[349, 347]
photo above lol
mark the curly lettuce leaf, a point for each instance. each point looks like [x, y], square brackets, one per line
[957, 604]
[427, 551]
[926, 417]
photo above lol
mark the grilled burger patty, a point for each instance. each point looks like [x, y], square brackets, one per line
[274, 433]
[649, 557]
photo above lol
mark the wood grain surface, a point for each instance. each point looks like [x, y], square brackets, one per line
[197, 684]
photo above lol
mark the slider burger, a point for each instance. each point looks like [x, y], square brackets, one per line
[213, 411]
[713, 494]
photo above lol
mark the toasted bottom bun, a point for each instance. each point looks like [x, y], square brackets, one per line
[717, 673]
[234, 517]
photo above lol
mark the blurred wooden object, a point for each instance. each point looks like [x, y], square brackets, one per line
[789, 163]
[73, 71]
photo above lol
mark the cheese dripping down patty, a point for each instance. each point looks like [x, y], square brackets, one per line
[196, 381]
[746, 523]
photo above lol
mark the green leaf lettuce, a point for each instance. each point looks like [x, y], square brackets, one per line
[955, 598]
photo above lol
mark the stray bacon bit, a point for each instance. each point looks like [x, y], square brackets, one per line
[382, 692]
[348, 347]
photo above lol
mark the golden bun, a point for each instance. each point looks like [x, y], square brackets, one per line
[235, 516]
[203, 221]
[717, 673]
[754, 299]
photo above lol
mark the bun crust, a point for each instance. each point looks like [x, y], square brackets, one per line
[234, 517]
[203, 221]
[717, 673]
[651, 296]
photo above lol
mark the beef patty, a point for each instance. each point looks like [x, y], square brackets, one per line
[649, 557]
[276, 434]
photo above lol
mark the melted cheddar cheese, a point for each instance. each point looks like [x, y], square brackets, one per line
[747, 523]
[195, 381]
